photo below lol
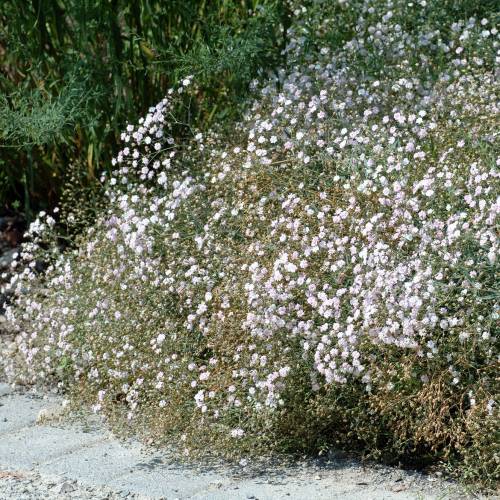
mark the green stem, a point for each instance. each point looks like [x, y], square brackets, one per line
[27, 182]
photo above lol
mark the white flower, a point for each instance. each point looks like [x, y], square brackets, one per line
[237, 433]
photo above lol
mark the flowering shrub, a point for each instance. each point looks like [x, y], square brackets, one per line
[325, 276]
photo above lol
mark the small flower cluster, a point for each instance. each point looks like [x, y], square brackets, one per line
[343, 241]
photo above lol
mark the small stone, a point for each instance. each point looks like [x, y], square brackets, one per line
[51, 413]
[399, 487]
[64, 488]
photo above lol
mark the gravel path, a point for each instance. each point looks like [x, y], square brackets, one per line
[42, 457]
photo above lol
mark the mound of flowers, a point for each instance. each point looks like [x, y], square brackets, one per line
[325, 275]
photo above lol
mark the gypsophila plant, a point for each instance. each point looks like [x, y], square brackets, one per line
[324, 276]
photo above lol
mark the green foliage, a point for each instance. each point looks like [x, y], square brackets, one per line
[42, 119]
[121, 57]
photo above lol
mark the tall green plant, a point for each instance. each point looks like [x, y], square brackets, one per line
[121, 56]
